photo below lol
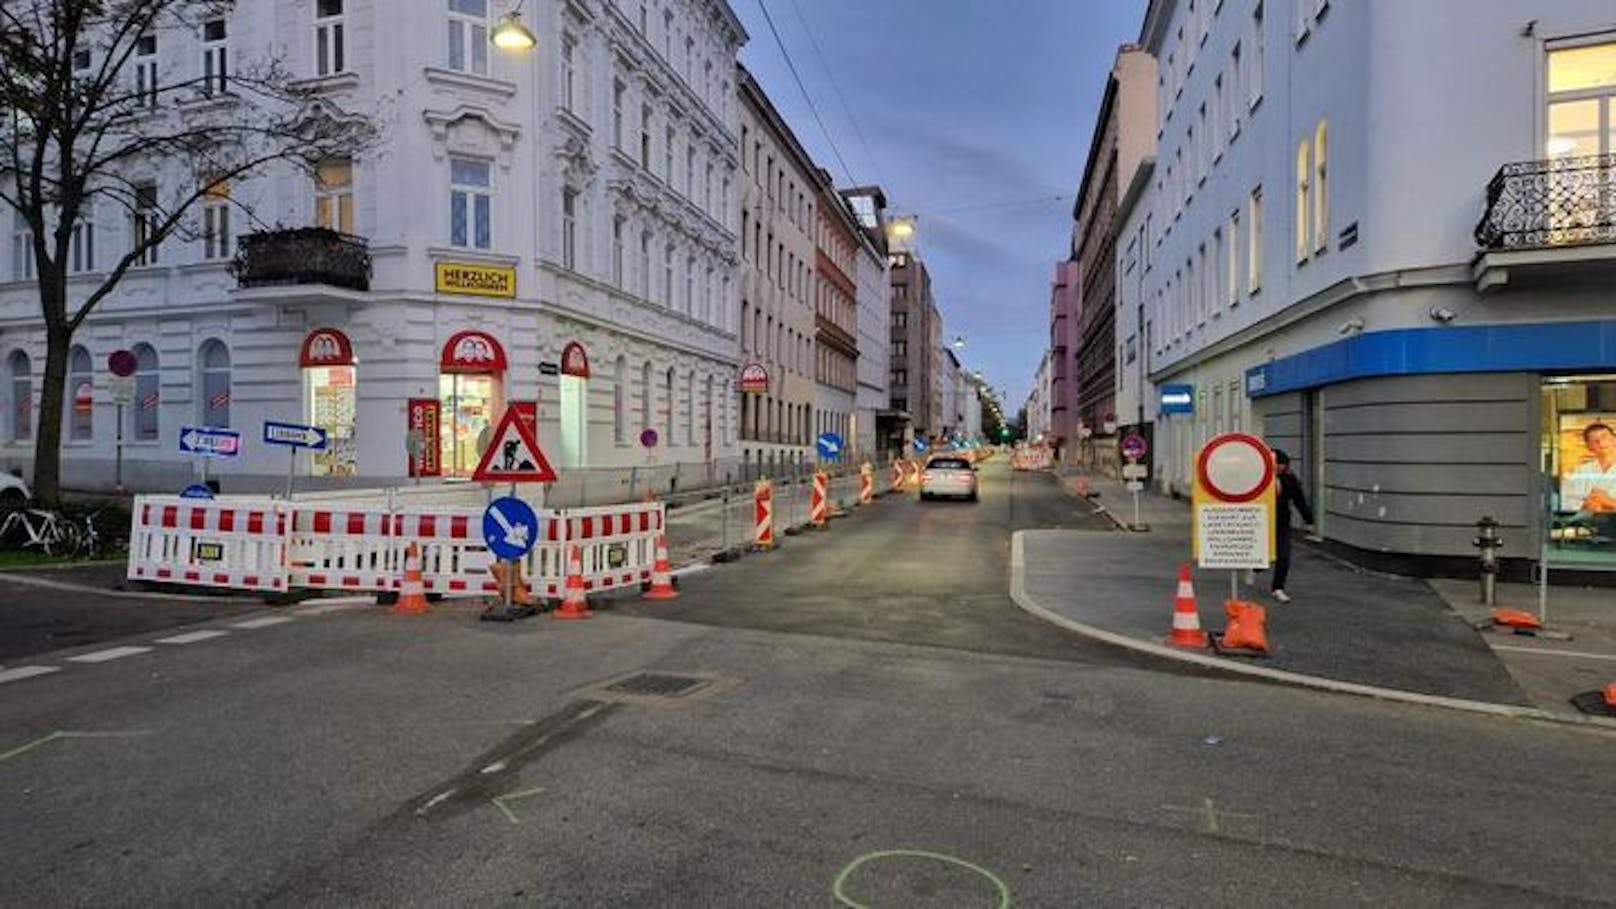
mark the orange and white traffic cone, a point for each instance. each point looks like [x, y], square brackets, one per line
[1186, 617]
[661, 575]
[574, 603]
[412, 593]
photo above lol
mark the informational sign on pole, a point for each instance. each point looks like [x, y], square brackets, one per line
[293, 436]
[830, 446]
[513, 454]
[1234, 503]
[510, 528]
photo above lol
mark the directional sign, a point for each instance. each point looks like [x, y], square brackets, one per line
[294, 434]
[830, 446]
[196, 491]
[1134, 446]
[513, 454]
[920, 445]
[209, 442]
[510, 527]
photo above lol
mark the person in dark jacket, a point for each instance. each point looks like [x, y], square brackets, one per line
[1289, 495]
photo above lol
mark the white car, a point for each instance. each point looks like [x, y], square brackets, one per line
[14, 493]
[948, 475]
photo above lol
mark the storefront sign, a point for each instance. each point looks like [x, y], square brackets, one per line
[472, 351]
[424, 414]
[1178, 399]
[549, 369]
[754, 379]
[574, 361]
[477, 280]
[325, 347]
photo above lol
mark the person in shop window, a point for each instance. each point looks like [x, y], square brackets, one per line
[1591, 487]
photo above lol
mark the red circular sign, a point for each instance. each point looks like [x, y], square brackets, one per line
[1134, 446]
[122, 363]
[1235, 467]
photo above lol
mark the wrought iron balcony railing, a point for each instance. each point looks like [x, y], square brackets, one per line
[304, 255]
[1553, 203]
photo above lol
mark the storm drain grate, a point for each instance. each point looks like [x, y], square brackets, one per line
[657, 685]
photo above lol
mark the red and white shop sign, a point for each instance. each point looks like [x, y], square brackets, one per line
[574, 361]
[326, 347]
[425, 460]
[754, 379]
[472, 351]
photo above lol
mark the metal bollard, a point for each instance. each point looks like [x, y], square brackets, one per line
[1488, 542]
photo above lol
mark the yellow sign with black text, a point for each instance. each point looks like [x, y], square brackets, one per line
[477, 280]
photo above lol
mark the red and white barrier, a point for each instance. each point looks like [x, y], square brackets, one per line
[818, 507]
[209, 544]
[763, 514]
[866, 484]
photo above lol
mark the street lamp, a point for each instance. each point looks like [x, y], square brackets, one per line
[510, 34]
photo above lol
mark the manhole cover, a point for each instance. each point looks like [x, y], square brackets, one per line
[657, 685]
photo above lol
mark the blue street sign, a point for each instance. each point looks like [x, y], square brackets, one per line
[510, 527]
[920, 445]
[1178, 399]
[295, 435]
[210, 442]
[830, 446]
[196, 491]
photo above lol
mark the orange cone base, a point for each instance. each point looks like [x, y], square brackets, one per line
[404, 607]
[1192, 639]
[662, 593]
[572, 612]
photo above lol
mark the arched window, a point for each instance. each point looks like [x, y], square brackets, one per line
[619, 404]
[690, 409]
[80, 395]
[148, 392]
[213, 362]
[667, 436]
[709, 407]
[22, 397]
[645, 396]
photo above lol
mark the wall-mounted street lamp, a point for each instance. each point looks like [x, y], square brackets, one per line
[510, 34]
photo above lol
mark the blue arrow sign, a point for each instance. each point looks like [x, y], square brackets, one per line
[210, 442]
[196, 491]
[920, 445]
[510, 527]
[830, 446]
[294, 434]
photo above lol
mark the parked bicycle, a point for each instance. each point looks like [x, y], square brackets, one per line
[50, 531]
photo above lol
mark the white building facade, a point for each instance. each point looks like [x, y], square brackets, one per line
[874, 278]
[551, 229]
[1377, 233]
[1037, 405]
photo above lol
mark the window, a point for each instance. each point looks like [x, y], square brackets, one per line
[645, 138]
[707, 190]
[569, 228]
[667, 36]
[667, 395]
[1304, 184]
[146, 222]
[619, 401]
[645, 265]
[667, 276]
[329, 43]
[146, 71]
[645, 395]
[22, 397]
[617, 250]
[667, 155]
[213, 407]
[689, 307]
[690, 409]
[1256, 84]
[470, 204]
[468, 39]
[1237, 76]
[618, 91]
[1231, 291]
[148, 391]
[745, 144]
[215, 57]
[1321, 189]
[82, 244]
[333, 195]
[690, 171]
[1217, 136]
[216, 220]
[1254, 252]
[80, 395]
[22, 248]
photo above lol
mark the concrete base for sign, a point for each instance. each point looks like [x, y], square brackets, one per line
[499, 612]
[1140, 527]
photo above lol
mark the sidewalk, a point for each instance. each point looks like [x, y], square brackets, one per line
[1347, 628]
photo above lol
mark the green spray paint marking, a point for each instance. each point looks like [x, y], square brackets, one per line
[841, 878]
[499, 801]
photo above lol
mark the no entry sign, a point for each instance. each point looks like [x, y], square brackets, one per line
[1234, 503]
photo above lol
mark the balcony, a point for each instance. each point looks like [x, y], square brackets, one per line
[305, 255]
[1549, 221]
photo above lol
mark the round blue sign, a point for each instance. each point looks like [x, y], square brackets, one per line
[196, 491]
[920, 445]
[830, 446]
[510, 527]
[648, 438]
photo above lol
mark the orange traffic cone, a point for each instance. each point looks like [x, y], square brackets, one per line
[661, 574]
[1610, 695]
[1186, 617]
[412, 594]
[574, 604]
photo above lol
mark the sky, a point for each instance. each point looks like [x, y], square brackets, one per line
[975, 116]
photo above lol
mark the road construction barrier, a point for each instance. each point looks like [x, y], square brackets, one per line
[1033, 457]
[208, 544]
[897, 476]
[818, 509]
[866, 484]
[763, 515]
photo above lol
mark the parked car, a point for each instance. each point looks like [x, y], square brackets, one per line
[14, 493]
[948, 475]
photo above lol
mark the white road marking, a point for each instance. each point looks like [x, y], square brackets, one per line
[192, 637]
[264, 622]
[26, 672]
[325, 608]
[101, 656]
[1564, 653]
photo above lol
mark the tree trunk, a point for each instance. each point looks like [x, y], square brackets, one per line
[48, 434]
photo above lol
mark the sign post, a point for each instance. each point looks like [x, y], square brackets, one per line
[1234, 506]
[1134, 447]
[122, 364]
[830, 446]
[510, 528]
[293, 436]
[209, 442]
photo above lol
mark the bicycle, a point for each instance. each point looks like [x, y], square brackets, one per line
[52, 532]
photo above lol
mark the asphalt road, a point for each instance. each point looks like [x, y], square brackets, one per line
[356, 758]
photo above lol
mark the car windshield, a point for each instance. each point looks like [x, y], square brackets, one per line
[949, 464]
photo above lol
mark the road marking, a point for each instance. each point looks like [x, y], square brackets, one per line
[325, 608]
[433, 802]
[1565, 653]
[192, 637]
[101, 656]
[63, 734]
[500, 800]
[1208, 813]
[838, 887]
[264, 622]
[26, 672]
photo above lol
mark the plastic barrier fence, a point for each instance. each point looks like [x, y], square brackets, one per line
[181, 541]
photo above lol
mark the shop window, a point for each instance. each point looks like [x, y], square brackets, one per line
[22, 397]
[471, 394]
[330, 399]
[213, 407]
[148, 393]
[80, 395]
[1579, 470]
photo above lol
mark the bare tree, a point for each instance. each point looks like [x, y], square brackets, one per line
[86, 109]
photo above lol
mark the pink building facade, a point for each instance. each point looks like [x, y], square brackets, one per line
[1065, 317]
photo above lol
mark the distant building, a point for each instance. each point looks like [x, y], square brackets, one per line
[1065, 342]
[1038, 402]
[838, 240]
[916, 339]
[873, 415]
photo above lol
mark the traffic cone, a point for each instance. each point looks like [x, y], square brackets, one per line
[412, 594]
[1186, 617]
[574, 604]
[661, 574]
[1610, 695]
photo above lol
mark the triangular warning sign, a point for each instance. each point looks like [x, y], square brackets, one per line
[514, 456]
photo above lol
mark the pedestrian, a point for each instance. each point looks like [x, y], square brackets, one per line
[1289, 495]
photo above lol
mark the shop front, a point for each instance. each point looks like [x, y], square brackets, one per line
[471, 396]
[330, 399]
[1578, 456]
[574, 405]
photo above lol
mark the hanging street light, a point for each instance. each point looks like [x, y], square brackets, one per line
[510, 34]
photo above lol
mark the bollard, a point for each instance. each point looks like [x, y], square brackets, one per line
[1488, 543]
[763, 515]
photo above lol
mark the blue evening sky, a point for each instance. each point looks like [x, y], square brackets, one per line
[974, 115]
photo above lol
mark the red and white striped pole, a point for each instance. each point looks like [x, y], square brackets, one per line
[897, 475]
[763, 514]
[818, 509]
[866, 484]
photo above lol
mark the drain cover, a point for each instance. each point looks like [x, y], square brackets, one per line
[657, 685]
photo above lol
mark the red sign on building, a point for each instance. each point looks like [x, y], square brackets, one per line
[472, 352]
[754, 379]
[325, 347]
[425, 461]
[574, 361]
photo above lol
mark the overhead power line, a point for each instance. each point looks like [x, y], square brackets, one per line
[1020, 203]
[836, 87]
[804, 89]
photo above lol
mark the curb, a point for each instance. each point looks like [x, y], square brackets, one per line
[1018, 594]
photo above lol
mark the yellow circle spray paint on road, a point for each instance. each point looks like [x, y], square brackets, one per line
[841, 878]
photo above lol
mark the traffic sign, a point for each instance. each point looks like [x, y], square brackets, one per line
[920, 445]
[122, 389]
[513, 454]
[209, 442]
[196, 491]
[1134, 446]
[648, 438]
[1234, 503]
[1235, 467]
[510, 527]
[1135, 471]
[830, 446]
[294, 434]
[122, 363]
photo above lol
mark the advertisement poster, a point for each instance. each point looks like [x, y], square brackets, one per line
[424, 414]
[1587, 463]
